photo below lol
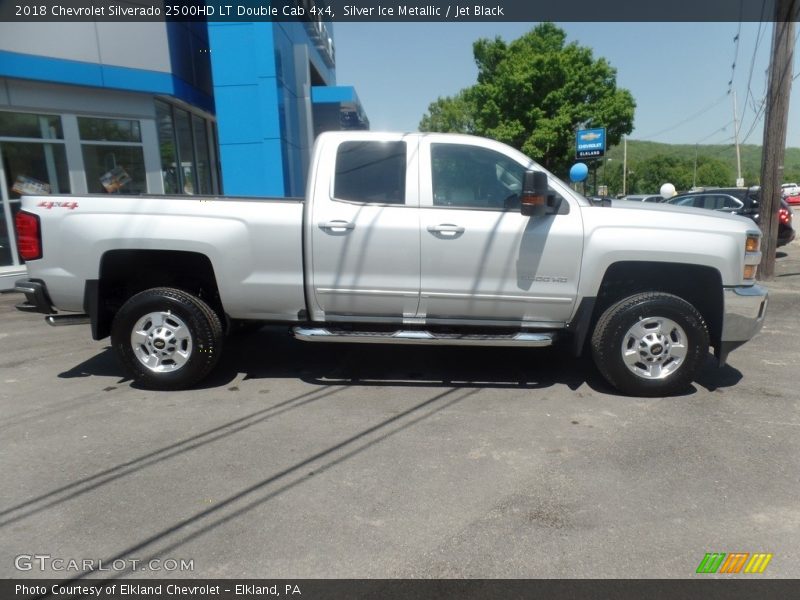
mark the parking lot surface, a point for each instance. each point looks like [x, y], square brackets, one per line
[302, 460]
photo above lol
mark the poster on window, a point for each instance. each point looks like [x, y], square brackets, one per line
[115, 179]
[28, 186]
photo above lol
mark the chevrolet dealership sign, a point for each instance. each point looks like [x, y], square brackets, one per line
[590, 143]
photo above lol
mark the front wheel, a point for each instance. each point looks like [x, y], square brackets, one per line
[166, 339]
[650, 344]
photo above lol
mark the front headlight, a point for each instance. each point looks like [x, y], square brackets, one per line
[752, 256]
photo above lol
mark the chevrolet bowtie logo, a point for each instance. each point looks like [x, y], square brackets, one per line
[589, 137]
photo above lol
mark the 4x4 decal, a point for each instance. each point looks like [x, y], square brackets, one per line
[48, 205]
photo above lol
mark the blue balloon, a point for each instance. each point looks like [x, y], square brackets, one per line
[578, 172]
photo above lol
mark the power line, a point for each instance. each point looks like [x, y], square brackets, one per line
[758, 116]
[753, 61]
[736, 49]
[761, 111]
[689, 118]
[723, 149]
[723, 128]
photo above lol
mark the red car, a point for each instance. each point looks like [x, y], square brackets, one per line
[793, 200]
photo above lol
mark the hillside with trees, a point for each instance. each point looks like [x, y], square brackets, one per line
[651, 163]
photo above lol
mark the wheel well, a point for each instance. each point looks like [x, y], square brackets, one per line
[124, 273]
[699, 285]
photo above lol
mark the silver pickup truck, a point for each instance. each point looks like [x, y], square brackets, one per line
[401, 239]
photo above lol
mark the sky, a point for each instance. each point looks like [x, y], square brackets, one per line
[678, 73]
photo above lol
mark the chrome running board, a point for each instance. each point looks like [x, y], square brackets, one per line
[323, 334]
[59, 320]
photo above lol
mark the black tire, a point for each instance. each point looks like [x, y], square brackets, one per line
[657, 370]
[198, 348]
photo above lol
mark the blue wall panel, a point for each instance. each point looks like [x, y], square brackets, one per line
[241, 128]
[253, 169]
[248, 108]
[262, 103]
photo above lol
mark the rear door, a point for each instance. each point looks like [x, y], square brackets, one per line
[364, 230]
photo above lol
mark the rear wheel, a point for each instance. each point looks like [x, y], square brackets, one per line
[167, 339]
[650, 344]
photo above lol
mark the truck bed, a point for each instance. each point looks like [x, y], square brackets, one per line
[254, 244]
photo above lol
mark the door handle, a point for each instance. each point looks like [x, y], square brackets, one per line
[446, 229]
[337, 225]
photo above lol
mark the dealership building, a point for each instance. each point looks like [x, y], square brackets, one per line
[162, 108]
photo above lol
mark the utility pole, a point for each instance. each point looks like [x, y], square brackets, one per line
[739, 182]
[624, 165]
[774, 144]
[694, 177]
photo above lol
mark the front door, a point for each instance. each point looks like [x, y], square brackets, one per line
[481, 259]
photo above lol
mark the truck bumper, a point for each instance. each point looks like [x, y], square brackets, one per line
[36, 297]
[38, 300]
[743, 317]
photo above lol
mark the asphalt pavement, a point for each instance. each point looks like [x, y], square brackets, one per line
[312, 461]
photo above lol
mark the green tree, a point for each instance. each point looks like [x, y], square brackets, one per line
[533, 94]
[660, 169]
[712, 172]
[449, 114]
[653, 172]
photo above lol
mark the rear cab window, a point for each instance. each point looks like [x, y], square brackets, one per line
[370, 172]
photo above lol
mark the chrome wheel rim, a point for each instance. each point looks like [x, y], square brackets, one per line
[654, 347]
[161, 341]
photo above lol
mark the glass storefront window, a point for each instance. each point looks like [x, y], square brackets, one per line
[166, 144]
[203, 156]
[117, 167]
[38, 165]
[184, 145]
[6, 256]
[185, 151]
[109, 130]
[27, 125]
[114, 169]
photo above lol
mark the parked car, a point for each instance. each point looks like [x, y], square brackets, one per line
[793, 200]
[739, 201]
[644, 197]
[790, 189]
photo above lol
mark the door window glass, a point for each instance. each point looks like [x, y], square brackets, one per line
[729, 202]
[474, 177]
[371, 172]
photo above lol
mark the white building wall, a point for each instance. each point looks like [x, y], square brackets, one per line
[117, 44]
